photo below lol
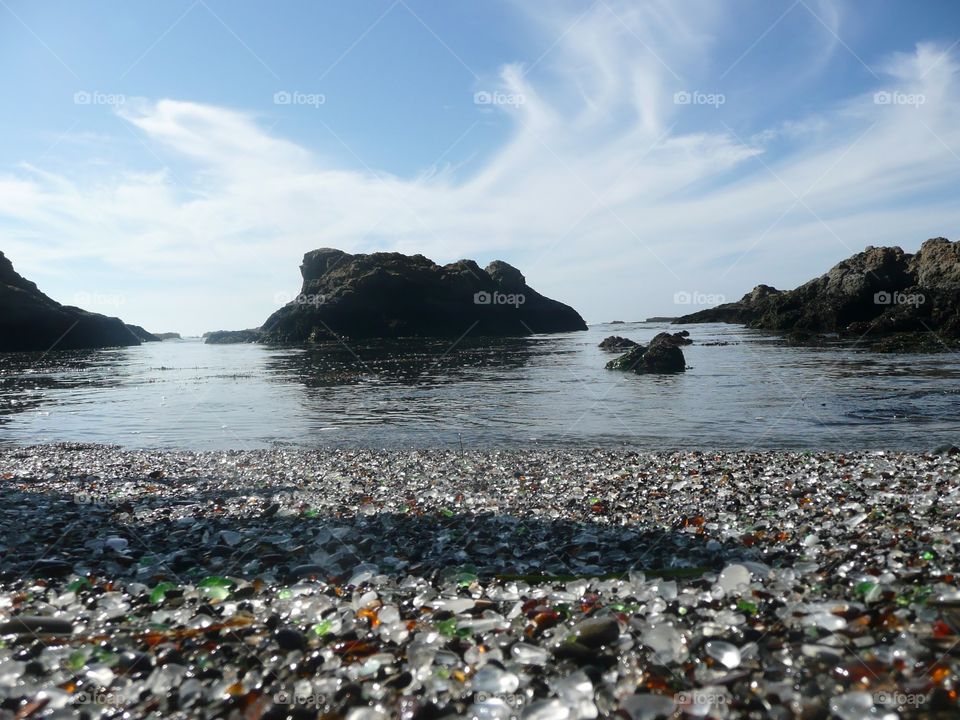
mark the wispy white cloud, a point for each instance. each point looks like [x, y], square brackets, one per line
[602, 194]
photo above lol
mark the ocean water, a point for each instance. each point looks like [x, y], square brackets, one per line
[755, 392]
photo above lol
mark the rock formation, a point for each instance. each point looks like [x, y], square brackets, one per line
[31, 321]
[395, 295]
[878, 292]
[615, 342]
[662, 355]
[142, 335]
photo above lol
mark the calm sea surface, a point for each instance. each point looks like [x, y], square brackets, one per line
[755, 392]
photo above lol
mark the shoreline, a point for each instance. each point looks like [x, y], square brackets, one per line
[540, 584]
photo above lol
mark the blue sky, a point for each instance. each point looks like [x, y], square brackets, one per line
[622, 154]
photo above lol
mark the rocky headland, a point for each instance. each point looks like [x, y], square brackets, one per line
[31, 321]
[883, 296]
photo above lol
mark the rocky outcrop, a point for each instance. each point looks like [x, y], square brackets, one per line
[233, 337]
[615, 342]
[662, 355]
[167, 336]
[878, 292]
[142, 335]
[31, 321]
[396, 295]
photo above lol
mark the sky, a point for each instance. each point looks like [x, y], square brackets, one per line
[171, 162]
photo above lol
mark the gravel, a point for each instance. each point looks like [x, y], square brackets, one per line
[550, 585]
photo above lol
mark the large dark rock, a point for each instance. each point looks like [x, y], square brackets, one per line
[662, 355]
[878, 292]
[395, 295]
[29, 320]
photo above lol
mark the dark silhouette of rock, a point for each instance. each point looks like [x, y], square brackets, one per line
[658, 318]
[167, 336]
[662, 355]
[232, 337]
[394, 295]
[879, 292]
[142, 335]
[31, 321]
[615, 342]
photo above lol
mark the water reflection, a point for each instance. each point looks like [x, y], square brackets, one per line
[421, 363]
[744, 390]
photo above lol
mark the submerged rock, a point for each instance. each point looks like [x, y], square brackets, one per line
[662, 355]
[615, 342]
[31, 321]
